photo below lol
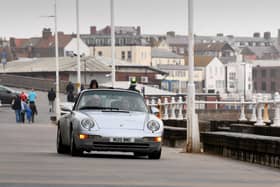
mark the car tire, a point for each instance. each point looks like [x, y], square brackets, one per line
[61, 149]
[155, 155]
[74, 151]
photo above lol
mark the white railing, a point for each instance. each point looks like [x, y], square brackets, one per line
[175, 108]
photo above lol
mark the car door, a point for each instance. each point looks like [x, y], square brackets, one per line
[6, 96]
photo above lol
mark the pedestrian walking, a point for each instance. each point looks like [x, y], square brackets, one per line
[34, 111]
[70, 97]
[32, 96]
[16, 106]
[51, 98]
[23, 111]
[69, 88]
[23, 96]
[28, 113]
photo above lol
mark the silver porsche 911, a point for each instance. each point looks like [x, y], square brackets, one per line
[110, 120]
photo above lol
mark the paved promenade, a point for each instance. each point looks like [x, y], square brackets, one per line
[28, 158]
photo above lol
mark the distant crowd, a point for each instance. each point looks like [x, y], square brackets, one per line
[24, 106]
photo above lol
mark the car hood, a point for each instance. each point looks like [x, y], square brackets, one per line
[118, 120]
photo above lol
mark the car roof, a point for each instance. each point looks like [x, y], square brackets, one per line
[112, 89]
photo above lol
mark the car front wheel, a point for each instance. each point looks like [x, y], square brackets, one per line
[73, 149]
[155, 155]
[61, 149]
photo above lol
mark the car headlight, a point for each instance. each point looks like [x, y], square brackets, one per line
[153, 125]
[87, 123]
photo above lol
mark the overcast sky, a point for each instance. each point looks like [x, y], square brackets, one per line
[23, 18]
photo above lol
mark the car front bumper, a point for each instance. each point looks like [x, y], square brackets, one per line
[144, 145]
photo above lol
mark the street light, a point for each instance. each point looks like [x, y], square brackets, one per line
[56, 63]
[113, 43]
[193, 140]
[78, 48]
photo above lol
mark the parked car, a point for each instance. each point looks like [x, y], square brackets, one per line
[7, 95]
[110, 120]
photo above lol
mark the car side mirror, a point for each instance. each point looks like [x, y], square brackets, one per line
[66, 108]
[8, 91]
[154, 110]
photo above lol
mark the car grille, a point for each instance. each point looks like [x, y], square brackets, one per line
[120, 145]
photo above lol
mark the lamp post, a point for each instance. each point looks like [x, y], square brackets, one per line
[193, 140]
[78, 48]
[113, 43]
[56, 63]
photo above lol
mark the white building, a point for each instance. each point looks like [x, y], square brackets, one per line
[71, 48]
[214, 76]
[163, 56]
[239, 79]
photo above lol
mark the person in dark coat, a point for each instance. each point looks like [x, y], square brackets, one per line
[93, 84]
[70, 87]
[51, 97]
[70, 97]
[16, 106]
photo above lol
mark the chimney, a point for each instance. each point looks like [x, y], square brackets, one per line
[256, 35]
[267, 35]
[46, 33]
[93, 30]
[230, 36]
[171, 33]
[107, 30]
[138, 30]
[220, 34]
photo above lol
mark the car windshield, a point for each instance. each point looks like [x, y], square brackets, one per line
[111, 100]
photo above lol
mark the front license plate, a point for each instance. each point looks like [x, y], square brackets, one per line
[122, 140]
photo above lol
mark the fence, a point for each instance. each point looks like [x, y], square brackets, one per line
[175, 108]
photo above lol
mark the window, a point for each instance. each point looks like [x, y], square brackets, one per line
[232, 76]
[231, 85]
[263, 73]
[254, 74]
[273, 87]
[144, 79]
[100, 53]
[272, 72]
[123, 55]
[129, 55]
[255, 86]
[263, 86]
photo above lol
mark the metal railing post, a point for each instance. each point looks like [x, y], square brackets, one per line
[165, 104]
[276, 120]
[180, 106]
[259, 108]
[242, 115]
[173, 106]
[254, 116]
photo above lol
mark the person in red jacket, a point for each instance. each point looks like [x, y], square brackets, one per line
[23, 96]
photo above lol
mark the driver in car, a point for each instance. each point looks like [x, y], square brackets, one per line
[94, 101]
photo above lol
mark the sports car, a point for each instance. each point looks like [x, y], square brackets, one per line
[110, 120]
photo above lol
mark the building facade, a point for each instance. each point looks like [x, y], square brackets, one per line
[131, 54]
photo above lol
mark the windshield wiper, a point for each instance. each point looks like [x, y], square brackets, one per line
[117, 110]
[92, 107]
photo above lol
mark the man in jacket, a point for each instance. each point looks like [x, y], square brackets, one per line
[51, 97]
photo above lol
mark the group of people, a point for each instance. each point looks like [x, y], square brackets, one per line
[24, 105]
